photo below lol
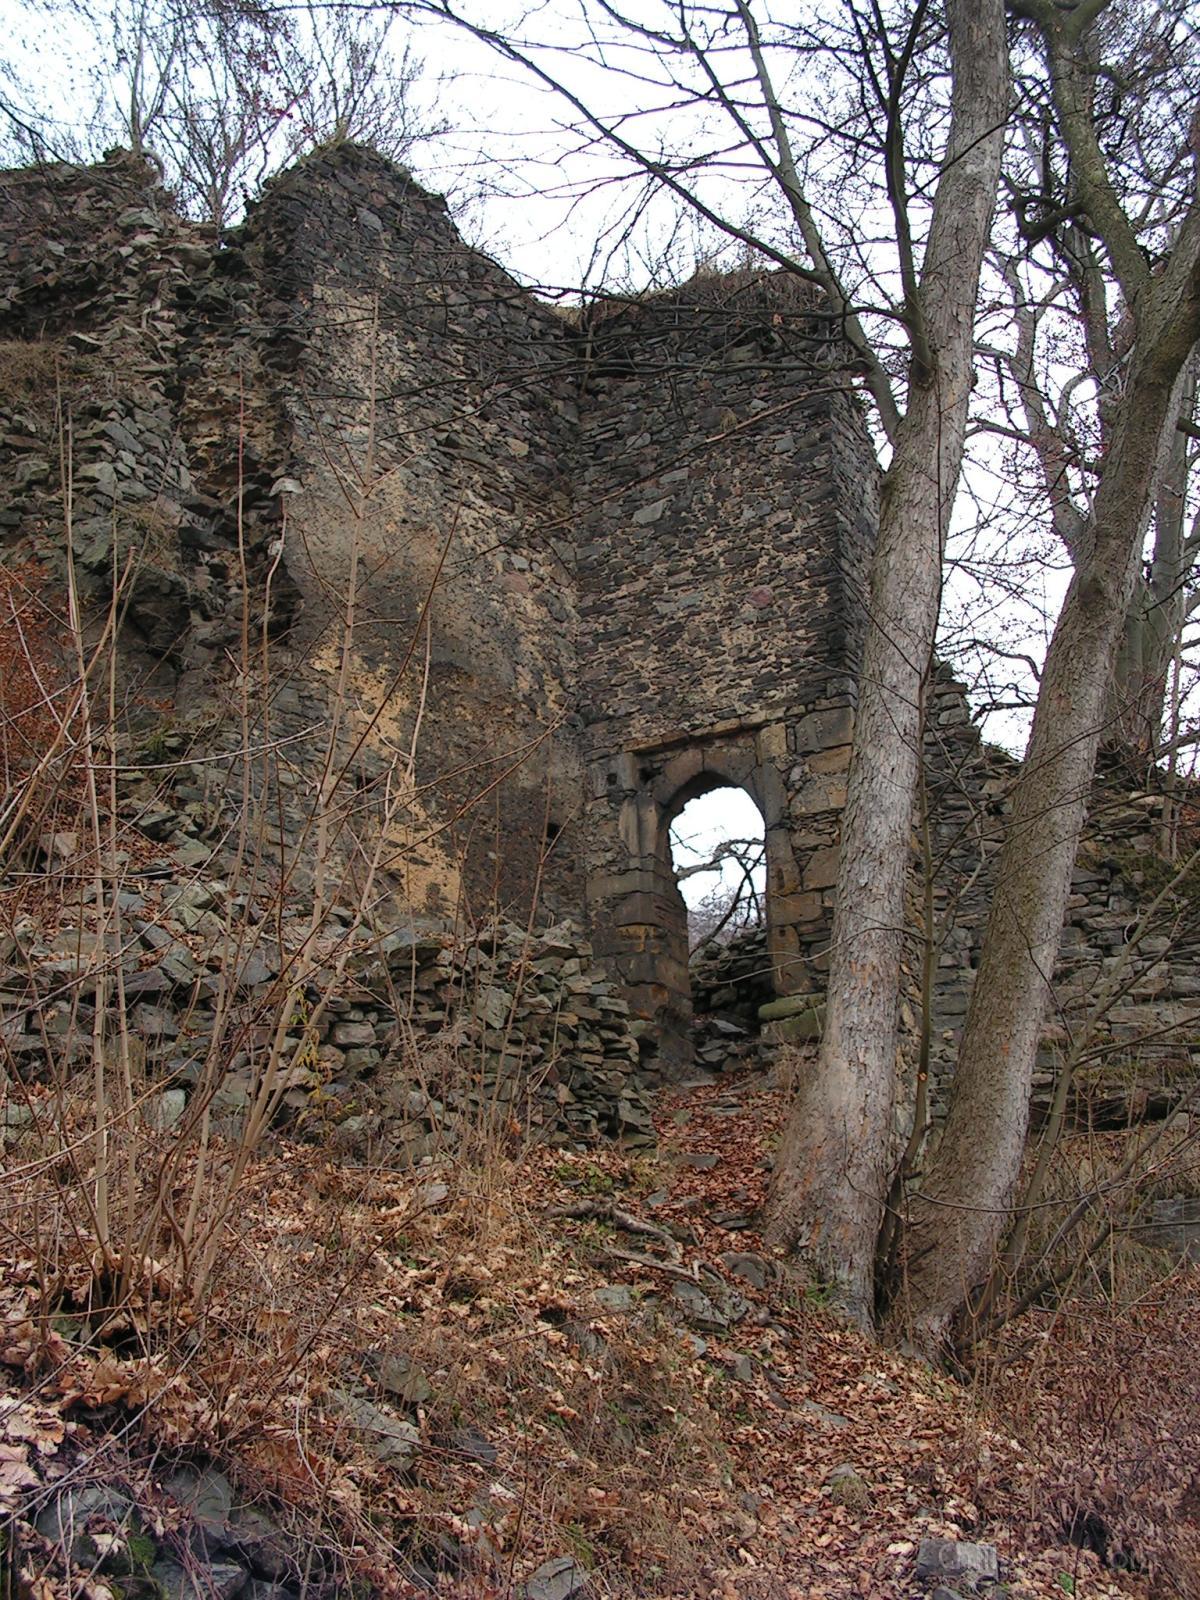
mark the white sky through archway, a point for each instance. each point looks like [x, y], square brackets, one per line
[699, 831]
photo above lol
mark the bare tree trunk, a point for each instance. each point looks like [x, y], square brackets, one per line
[833, 1168]
[1139, 683]
[1160, 605]
[962, 1210]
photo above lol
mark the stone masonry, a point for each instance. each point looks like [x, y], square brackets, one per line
[725, 515]
[407, 556]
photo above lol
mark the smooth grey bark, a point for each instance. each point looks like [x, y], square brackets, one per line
[1163, 599]
[962, 1210]
[833, 1168]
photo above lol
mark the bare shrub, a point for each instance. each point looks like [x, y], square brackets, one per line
[41, 762]
[1109, 1394]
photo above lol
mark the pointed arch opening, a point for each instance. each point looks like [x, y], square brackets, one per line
[719, 853]
[717, 841]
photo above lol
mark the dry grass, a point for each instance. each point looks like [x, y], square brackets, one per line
[239, 1288]
[29, 372]
[330, 1276]
[1110, 1393]
[1109, 1183]
[35, 374]
[549, 1423]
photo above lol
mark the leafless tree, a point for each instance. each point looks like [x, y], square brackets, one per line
[734, 903]
[344, 81]
[843, 117]
[222, 95]
[1093, 185]
[925, 108]
[966, 1192]
[1060, 331]
[222, 114]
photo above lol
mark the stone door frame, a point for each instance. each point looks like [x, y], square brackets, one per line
[638, 918]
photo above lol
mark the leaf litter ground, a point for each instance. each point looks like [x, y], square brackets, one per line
[597, 1358]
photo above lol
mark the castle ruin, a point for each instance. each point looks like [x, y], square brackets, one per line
[602, 561]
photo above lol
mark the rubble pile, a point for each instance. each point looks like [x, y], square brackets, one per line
[733, 978]
[409, 1038]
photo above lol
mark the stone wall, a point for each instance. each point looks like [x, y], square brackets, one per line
[94, 260]
[402, 1042]
[1125, 993]
[726, 507]
[721, 545]
[733, 977]
[340, 385]
[429, 409]
[630, 545]
[458, 601]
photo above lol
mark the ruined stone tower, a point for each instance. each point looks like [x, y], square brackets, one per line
[724, 508]
[528, 581]
[601, 564]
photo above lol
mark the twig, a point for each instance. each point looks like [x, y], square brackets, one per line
[672, 1269]
[606, 1211]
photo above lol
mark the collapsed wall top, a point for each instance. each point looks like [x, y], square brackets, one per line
[577, 549]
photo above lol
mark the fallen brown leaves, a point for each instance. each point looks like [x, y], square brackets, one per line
[519, 1315]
